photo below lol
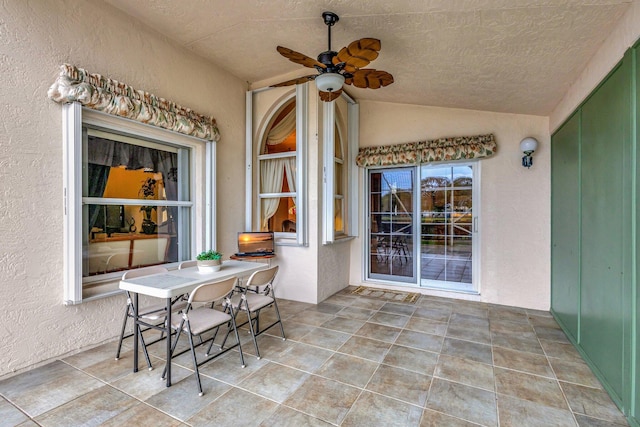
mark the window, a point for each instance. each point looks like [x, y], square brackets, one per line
[340, 142]
[339, 184]
[275, 199]
[277, 163]
[131, 193]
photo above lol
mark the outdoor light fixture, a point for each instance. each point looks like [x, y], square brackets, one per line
[329, 82]
[528, 146]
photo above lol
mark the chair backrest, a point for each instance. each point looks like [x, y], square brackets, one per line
[117, 262]
[139, 272]
[288, 226]
[187, 264]
[149, 251]
[211, 292]
[263, 278]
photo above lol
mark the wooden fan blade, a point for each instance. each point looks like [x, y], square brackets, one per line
[329, 96]
[370, 78]
[297, 81]
[358, 54]
[299, 58]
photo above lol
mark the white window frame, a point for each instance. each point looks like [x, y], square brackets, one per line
[350, 190]
[201, 183]
[417, 280]
[253, 145]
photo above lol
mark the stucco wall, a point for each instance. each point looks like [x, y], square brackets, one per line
[625, 34]
[515, 201]
[35, 38]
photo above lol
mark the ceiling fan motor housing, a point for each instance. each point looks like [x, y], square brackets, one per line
[327, 58]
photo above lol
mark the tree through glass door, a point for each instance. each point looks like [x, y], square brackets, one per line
[446, 223]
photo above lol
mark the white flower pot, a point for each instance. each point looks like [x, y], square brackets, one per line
[209, 266]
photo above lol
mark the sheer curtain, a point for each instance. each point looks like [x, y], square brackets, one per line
[272, 172]
[283, 129]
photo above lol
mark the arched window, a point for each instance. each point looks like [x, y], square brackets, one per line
[277, 165]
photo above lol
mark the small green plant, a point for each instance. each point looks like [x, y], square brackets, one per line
[209, 255]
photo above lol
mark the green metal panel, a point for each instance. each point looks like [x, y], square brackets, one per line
[565, 225]
[634, 413]
[605, 230]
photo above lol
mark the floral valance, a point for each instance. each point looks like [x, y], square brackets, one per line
[434, 150]
[110, 96]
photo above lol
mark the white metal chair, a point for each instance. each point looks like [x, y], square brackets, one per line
[187, 264]
[254, 296]
[199, 317]
[155, 313]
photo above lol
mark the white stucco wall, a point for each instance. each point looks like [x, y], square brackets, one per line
[515, 201]
[35, 38]
[624, 35]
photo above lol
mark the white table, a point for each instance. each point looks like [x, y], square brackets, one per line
[175, 283]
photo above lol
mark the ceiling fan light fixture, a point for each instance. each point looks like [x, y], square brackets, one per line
[329, 82]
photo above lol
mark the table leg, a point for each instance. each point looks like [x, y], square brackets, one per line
[168, 326]
[136, 332]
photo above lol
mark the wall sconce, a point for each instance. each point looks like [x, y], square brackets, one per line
[528, 146]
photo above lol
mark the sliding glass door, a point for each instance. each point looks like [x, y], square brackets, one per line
[391, 225]
[445, 227]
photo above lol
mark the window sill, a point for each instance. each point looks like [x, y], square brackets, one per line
[341, 239]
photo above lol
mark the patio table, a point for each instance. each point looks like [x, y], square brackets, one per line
[173, 284]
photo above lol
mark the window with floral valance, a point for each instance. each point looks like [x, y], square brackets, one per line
[110, 96]
[434, 150]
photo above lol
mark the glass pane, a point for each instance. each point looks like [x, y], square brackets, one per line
[391, 213]
[338, 215]
[281, 136]
[338, 184]
[122, 237]
[446, 225]
[121, 170]
[337, 147]
[278, 214]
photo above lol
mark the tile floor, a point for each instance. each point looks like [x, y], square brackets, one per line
[350, 361]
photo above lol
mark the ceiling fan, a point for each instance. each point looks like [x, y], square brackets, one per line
[337, 68]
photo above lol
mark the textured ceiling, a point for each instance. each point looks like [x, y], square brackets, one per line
[517, 56]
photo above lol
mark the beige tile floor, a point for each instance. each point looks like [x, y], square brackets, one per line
[350, 361]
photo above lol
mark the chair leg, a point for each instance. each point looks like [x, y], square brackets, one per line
[130, 313]
[233, 323]
[275, 305]
[233, 314]
[195, 362]
[253, 333]
[215, 334]
[144, 349]
[124, 328]
[173, 348]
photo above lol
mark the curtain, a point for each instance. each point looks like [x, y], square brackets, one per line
[290, 169]
[97, 176]
[271, 174]
[105, 153]
[434, 150]
[283, 129]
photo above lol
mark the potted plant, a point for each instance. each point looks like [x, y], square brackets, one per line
[209, 261]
